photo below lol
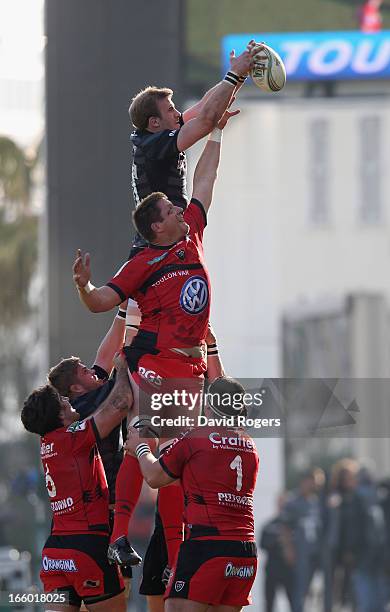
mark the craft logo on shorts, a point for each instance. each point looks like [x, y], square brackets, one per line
[179, 585]
[242, 571]
[194, 295]
[54, 565]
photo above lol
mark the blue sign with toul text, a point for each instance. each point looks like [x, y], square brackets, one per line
[317, 56]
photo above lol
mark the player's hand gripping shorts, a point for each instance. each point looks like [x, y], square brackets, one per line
[216, 572]
[162, 379]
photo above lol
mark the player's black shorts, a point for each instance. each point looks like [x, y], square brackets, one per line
[155, 562]
[216, 572]
[78, 566]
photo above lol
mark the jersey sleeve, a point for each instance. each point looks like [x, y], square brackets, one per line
[175, 458]
[161, 145]
[84, 435]
[195, 216]
[127, 280]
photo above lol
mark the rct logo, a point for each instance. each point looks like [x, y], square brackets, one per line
[179, 585]
[150, 376]
[194, 295]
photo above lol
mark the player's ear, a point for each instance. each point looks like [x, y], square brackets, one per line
[154, 122]
[156, 227]
[76, 388]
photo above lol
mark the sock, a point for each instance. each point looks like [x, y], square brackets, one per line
[171, 508]
[127, 491]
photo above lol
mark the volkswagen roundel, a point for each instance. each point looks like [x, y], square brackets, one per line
[194, 295]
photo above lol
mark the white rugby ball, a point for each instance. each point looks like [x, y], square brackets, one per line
[268, 71]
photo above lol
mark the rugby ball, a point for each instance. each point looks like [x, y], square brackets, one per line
[268, 71]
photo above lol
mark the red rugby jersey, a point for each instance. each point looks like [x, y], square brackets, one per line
[171, 286]
[218, 470]
[75, 479]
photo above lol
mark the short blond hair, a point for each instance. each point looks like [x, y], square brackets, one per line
[144, 105]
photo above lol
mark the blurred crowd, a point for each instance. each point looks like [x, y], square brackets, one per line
[336, 527]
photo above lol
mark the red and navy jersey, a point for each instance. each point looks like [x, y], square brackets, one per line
[218, 470]
[171, 287]
[158, 165]
[75, 479]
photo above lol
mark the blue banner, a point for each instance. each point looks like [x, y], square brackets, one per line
[317, 56]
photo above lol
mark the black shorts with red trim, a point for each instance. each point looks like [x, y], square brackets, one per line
[216, 572]
[78, 566]
[155, 562]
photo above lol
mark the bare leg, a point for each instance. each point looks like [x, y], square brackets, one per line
[184, 605]
[118, 603]
[155, 603]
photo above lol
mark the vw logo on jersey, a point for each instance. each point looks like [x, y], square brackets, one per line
[194, 295]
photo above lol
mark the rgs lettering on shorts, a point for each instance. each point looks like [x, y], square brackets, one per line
[152, 377]
[54, 565]
[242, 571]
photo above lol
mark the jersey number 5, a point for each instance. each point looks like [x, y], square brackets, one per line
[236, 464]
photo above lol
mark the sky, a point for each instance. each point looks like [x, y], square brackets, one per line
[21, 70]
[21, 39]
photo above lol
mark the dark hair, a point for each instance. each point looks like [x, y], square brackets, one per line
[144, 105]
[225, 397]
[147, 213]
[63, 375]
[41, 411]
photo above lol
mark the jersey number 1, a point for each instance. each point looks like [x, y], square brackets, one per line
[236, 464]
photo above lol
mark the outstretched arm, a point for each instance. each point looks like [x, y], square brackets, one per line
[216, 103]
[194, 110]
[206, 169]
[112, 341]
[215, 367]
[151, 469]
[96, 299]
[115, 408]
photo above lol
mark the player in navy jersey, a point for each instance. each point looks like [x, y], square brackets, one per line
[170, 282]
[74, 556]
[162, 134]
[217, 564]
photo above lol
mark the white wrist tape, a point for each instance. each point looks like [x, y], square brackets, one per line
[133, 314]
[231, 78]
[216, 135]
[87, 288]
[142, 449]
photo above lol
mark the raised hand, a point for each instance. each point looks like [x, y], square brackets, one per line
[226, 116]
[81, 269]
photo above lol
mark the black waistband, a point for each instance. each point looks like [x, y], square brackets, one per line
[222, 548]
